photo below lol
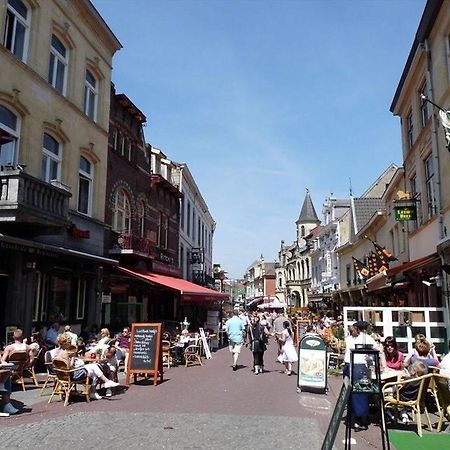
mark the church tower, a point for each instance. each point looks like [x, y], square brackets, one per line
[307, 220]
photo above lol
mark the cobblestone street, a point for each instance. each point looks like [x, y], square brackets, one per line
[196, 407]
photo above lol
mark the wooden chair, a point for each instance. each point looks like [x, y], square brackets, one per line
[20, 359]
[28, 371]
[51, 375]
[417, 405]
[192, 355]
[442, 385]
[65, 385]
[167, 354]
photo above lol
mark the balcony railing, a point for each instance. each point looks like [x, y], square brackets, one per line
[26, 199]
[128, 243]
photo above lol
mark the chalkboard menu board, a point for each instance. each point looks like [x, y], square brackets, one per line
[336, 418]
[145, 351]
[333, 360]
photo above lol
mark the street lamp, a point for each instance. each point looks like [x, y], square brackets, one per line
[220, 275]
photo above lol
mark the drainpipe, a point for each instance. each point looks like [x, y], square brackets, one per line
[434, 140]
[435, 148]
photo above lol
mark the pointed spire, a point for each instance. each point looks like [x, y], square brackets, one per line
[308, 213]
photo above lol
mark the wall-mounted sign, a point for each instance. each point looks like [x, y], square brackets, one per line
[407, 212]
[75, 232]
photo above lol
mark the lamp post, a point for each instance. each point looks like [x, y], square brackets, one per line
[221, 276]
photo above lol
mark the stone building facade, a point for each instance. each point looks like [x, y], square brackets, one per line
[55, 60]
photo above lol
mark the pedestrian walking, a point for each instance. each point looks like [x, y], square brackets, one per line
[288, 353]
[278, 327]
[258, 343]
[235, 331]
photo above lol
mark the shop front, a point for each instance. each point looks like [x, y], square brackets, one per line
[42, 283]
[168, 298]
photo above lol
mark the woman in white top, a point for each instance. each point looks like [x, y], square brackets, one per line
[288, 353]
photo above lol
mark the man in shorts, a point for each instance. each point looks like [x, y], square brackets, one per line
[235, 330]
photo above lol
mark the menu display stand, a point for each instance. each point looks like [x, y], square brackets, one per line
[312, 364]
[366, 380]
[205, 343]
[145, 351]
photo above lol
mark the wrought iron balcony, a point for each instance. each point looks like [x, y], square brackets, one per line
[27, 200]
[131, 244]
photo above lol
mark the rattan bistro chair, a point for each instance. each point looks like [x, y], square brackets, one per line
[20, 359]
[192, 355]
[29, 372]
[65, 385]
[442, 385]
[417, 405]
[51, 375]
[167, 354]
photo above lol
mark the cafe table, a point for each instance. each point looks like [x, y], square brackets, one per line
[390, 375]
[88, 359]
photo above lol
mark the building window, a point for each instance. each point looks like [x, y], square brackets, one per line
[182, 213]
[85, 186]
[188, 219]
[410, 130]
[348, 274]
[122, 212]
[162, 231]
[182, 260]
[58, 296]
[115, 142]
[424, 111]
[57, 69]
[129, 150]
[81, 299]
[9, 137]
[90, 95]
[448, 55]
[17, 26]
[141, 215]
[429, 183]
[51, 159]
[199, 232]
[416, 196]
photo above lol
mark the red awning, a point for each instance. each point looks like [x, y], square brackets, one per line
[188, 290]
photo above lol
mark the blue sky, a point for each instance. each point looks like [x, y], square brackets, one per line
[264, 99]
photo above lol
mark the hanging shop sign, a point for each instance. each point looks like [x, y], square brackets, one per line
[407, 212]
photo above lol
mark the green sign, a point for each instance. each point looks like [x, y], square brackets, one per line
[312, 363]
[336, 418]
[403, 213]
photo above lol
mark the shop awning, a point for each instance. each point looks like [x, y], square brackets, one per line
[412, 265]
[377, 282]
[187, 290]
[15, 243]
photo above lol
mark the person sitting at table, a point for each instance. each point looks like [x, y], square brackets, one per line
[122, 344]
[93, 371]
[423, 348]
[17, 346]
[105, 337]
[392, 356]
[110, 366]
[181, 344]
[5, 393]
[51, 335]
[419, 338]
[409, 391]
